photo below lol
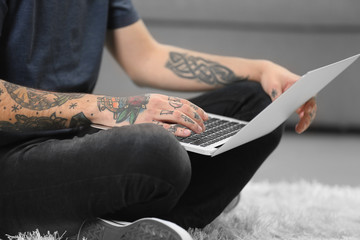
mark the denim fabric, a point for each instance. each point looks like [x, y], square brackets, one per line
[129, 172]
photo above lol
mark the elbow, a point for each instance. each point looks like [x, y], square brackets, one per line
[139, 83]
[136, 78]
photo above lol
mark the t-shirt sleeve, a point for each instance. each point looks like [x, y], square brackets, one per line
[121, 13]
[3, 11]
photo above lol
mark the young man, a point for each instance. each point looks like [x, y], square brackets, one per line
[60, 174]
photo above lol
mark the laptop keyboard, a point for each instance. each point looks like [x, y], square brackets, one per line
[216, 130]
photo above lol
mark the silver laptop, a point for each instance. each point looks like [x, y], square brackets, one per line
[223, 134]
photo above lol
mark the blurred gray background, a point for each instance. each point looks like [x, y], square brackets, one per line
[298, 34]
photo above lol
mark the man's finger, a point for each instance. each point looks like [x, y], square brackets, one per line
[179, 117]
[275, 93]
[175, 129]
[307, 114]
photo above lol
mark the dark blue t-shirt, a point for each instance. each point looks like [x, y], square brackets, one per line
[57, 44]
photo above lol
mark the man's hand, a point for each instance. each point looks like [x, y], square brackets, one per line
[174, 114]
[275, 80]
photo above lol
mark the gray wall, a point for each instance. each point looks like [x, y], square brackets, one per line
[298, 34]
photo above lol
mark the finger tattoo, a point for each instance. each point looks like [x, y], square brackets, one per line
[187, 119]
[274, 93]
[157, 123]
[173, 128]
[196, 116]
[194, 107]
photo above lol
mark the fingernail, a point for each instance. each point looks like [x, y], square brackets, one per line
[187, 132]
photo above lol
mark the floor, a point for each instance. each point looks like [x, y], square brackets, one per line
[332, 159]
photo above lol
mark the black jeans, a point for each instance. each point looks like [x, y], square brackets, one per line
[129, 172]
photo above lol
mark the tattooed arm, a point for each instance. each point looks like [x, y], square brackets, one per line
[27, 109]
[150, 63]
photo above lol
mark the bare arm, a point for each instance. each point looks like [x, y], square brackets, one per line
[150, 63]
[27, 109]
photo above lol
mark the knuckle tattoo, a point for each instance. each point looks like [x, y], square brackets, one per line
[187, 119]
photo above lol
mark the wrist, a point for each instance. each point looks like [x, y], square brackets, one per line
[260, 66]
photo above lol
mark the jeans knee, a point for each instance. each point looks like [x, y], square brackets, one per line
[163, 157]
[273, 138]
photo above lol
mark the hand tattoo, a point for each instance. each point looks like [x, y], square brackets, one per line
[124, 108]
[175, 102]
[166, 112]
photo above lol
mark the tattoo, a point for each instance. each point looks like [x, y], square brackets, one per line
[158, 123]
[175, 102]
[36, 99]
[24, 123]
[79, 120]
[173, 128]
[196, 116]
[166, 112]
[73, 106]
[312, 115]
[15, 108]
[1, 91]
[206, 71]
[194, 107]
[187, 119]
[124, 108]
[274, 93]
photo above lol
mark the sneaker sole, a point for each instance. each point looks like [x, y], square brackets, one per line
[143, 229]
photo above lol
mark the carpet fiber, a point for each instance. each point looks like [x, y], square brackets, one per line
[291, 211]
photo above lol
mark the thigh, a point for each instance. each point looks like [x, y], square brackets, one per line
[58, 183]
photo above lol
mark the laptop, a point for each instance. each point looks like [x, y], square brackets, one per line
[223, 134]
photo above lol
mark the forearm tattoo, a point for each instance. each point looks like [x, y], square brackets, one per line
[24, 123]
[36, 99]
[79, 120]
[197, 68]
[124, 108]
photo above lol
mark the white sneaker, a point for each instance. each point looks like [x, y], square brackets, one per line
[232, 204]
[142, 229]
